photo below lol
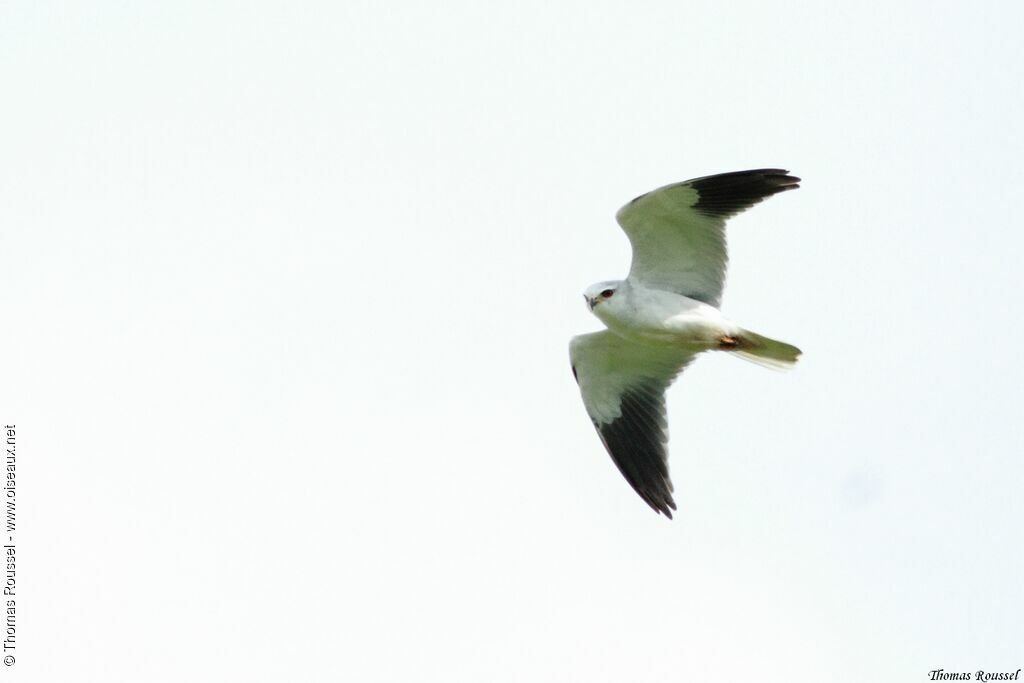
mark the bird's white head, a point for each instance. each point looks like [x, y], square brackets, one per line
[601, 293]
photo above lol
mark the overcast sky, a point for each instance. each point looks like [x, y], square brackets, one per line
[287, 291]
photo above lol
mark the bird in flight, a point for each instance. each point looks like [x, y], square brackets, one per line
[663, 315]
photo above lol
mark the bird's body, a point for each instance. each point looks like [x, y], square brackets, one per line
[656, 316]
[663, 315]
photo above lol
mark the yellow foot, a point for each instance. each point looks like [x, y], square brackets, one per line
[728, 343]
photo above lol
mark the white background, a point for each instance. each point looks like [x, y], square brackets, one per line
[286, 297]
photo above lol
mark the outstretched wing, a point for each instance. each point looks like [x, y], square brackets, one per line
[623, 385]
[678, 231]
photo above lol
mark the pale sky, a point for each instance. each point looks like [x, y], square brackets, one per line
[287, 291]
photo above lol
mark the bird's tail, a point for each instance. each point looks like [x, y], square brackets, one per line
[770, 353]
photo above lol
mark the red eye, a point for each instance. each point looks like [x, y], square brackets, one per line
[606, 294]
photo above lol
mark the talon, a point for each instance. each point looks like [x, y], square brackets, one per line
[728, 342]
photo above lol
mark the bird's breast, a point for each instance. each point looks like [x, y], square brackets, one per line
[663, 317]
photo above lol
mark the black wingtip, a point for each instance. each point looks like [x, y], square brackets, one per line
[658, 498]
[666, 506]
[636, 443]
[727, 194]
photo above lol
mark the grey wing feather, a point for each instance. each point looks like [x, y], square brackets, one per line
[623, 387]
[677, 232]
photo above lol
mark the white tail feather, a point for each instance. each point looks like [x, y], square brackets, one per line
[764, 351]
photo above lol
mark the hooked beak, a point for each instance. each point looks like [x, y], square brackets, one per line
[590, 302]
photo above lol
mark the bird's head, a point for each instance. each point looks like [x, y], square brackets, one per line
[601, 292]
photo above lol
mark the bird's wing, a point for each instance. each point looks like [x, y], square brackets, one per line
[678, 231]
[623, 385]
